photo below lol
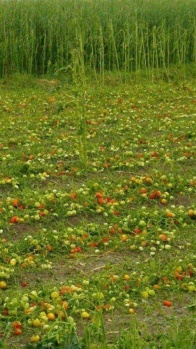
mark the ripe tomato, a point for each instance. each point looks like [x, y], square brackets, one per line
[15, 202]
[17, 331]
[167, 303]
[99, 195]
[65, 305]
[143, 190]
[51, 316]
[137, 231]
[163, 237]
[14, 219]
[100, 200]
[17, 324]
[170, 214]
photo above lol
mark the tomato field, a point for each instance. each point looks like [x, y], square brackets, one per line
[97, 233]
[97, 174]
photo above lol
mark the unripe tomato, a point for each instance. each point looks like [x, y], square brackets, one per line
[35, 338]
[3, 284]
[85, 315]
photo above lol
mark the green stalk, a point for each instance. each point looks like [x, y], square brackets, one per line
[102, 55]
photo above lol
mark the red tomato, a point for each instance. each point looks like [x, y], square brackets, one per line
[167, 303]
[15, 219]
[99, 195]
[100, 200]
[17, 332]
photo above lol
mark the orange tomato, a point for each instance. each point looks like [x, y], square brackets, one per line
[170, 214]
[15, 202]
[158, 193]
[73, 196]
[61, 314]
[148, 180]
[143, 190]
[49, 248]
[51, 316]
[65, 305]
[163, 237]
[179, 276]
[156, 287]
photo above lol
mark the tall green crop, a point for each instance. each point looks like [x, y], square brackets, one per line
[41, 36]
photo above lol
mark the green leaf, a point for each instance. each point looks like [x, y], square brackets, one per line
[192, 307]
[81, 130]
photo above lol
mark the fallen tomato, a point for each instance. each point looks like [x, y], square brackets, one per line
[167, 303]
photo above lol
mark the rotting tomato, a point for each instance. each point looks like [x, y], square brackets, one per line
[24, 284]
[5, 312]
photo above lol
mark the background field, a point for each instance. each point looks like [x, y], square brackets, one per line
[43, 36]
